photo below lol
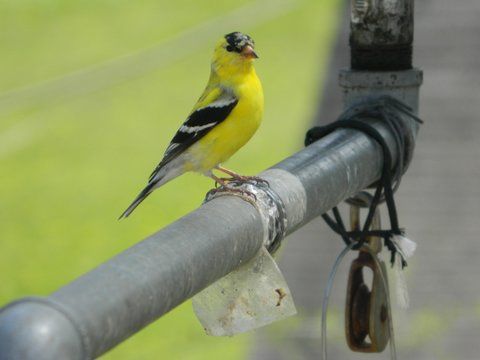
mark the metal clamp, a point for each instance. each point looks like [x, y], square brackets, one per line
[366, 311]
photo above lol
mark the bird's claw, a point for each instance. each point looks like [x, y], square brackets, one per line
[248, 195]
[257, 181]
[224, 181]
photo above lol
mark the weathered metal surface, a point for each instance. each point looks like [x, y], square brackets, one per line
[381, 34]
[381, 23]
[402, 85]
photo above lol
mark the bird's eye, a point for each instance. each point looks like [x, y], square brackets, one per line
[229, 48]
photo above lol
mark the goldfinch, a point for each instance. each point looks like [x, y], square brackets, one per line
[224, 118]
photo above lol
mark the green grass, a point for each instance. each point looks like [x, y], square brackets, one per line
[69, 166]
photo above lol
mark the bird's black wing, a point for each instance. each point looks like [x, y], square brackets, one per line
[197, 125]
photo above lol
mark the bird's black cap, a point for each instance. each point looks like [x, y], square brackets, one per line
[237, 41]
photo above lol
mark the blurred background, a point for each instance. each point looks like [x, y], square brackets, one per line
[92, 91]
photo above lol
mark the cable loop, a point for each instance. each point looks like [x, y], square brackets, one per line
[390, 111]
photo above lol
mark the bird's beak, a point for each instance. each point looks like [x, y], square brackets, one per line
[249, 53]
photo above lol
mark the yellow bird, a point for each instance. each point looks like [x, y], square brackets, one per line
[223, 120]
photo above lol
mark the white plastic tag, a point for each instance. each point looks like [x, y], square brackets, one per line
[406, 248]
[250, 297]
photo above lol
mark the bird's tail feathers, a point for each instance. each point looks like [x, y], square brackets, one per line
[142, 196]
[162, 176]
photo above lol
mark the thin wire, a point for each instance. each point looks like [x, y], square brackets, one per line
[326, 296]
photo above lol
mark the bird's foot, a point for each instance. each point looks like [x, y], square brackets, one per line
[226, 189]
[241, 178]
[235, 185]
[243, 193]
[255, 179]
[222, 181]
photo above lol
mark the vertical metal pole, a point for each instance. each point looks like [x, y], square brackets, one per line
[381, 34]
[381, 42]
[381, 38]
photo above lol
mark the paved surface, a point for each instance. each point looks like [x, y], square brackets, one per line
[438, 202]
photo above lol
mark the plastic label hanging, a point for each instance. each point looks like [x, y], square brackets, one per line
[250, 297]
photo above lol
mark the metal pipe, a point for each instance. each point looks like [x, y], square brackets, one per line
[89, 316]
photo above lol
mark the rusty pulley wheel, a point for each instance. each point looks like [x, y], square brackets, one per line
[366, 311]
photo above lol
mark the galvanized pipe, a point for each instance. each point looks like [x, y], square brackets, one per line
[89, 316]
